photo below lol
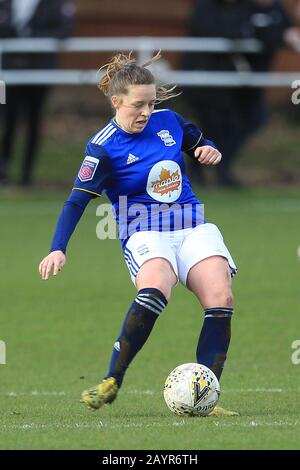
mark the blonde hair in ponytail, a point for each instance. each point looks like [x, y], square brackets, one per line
[123, 71]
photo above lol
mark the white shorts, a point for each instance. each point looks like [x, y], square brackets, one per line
[182, 248]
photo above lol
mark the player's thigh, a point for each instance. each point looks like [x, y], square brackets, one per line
[157, 273]
[202, 242]
[151, 261]
[210, 280]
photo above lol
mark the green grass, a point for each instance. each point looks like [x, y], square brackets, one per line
[59, 334]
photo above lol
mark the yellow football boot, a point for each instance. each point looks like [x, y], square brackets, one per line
[219, 412]
[105, 392]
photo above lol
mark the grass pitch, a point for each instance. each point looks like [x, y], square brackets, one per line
[59, 334]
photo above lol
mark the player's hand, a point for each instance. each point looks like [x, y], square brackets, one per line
[208, 155]
[52, 264]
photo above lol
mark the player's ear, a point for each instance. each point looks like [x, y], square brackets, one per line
[115, 101]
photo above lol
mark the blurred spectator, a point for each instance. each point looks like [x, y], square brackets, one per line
[231, 114]
[29, 19]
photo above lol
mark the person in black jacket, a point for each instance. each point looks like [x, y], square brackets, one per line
[233, 114]
[29, 19]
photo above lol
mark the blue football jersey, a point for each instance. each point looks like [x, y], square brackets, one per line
[140, 172]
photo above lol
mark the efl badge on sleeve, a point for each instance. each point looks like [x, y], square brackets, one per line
[88, 168]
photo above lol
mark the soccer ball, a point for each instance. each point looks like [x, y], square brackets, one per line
[191, 389]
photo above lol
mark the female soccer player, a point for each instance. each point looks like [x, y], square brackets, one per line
[137, 160]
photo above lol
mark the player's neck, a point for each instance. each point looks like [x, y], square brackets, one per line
[121, 127]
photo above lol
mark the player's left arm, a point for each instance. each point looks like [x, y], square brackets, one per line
[196, 146]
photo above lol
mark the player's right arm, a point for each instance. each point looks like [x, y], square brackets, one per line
[66, 224]
[52, 263]
[92, 178]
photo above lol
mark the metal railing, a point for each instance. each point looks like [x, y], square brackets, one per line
[144, 47]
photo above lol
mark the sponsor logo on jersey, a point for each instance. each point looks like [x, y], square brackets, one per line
[88, 168]
[131, 159]
[166, 137]
[165, 181]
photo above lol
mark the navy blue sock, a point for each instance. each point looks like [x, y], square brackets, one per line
[137, 326]
[215, 338]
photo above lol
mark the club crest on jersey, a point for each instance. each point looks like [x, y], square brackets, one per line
[166, 137]
[88, 168]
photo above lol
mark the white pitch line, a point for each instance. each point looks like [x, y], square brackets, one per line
[57, 393]
[253, 424]
[100, 425]
[182, 423]
[33, 426]
[240, 390]
[261, 390]
[33, 393]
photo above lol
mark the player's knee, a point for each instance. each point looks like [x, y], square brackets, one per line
[227, 300]
[159, 275]
[164, 287]
[165, 282]
[221, 299]
[160, 283]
